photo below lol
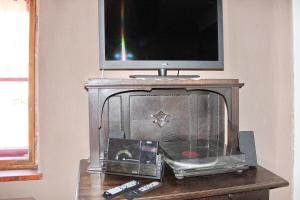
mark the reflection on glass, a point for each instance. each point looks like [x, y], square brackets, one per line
[123, 44]
[13, 119]
[14, 51]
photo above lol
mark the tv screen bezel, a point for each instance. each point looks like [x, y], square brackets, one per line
[158, 64]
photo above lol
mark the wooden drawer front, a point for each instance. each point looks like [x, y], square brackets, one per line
[254, 195]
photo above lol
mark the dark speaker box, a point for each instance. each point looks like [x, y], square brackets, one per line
[247, 146]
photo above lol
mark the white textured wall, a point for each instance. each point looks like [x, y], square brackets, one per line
[258, 51]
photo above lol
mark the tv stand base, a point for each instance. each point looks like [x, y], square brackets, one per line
[174, 77]
[162, 74]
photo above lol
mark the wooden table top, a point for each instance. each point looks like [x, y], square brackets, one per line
[92, 186]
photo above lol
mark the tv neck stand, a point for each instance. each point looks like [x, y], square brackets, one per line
[162, 72]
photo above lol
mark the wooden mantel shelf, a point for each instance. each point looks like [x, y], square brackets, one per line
[251, 184]
[159, 82]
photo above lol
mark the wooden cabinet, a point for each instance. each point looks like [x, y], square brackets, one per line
[252, 195]
[253, 184]
[197, 109]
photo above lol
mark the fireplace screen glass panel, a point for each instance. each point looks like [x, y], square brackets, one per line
[194, 118]
[192, 127]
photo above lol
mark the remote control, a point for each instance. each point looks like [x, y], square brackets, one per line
[142, 190]
[113, 192]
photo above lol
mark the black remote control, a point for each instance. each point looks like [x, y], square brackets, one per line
[142, 190]
[116, 191]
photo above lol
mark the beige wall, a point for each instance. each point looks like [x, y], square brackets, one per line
[257, 51]
[296, 32]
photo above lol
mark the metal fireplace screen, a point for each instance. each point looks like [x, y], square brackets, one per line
[193, 127]
[169, 116]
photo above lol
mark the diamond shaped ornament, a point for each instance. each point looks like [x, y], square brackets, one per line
[160, 118]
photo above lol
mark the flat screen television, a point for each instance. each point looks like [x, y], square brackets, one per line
[155, 34]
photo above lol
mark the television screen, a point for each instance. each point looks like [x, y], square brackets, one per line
[143, 34]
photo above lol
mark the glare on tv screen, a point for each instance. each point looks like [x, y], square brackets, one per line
[161, 30]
